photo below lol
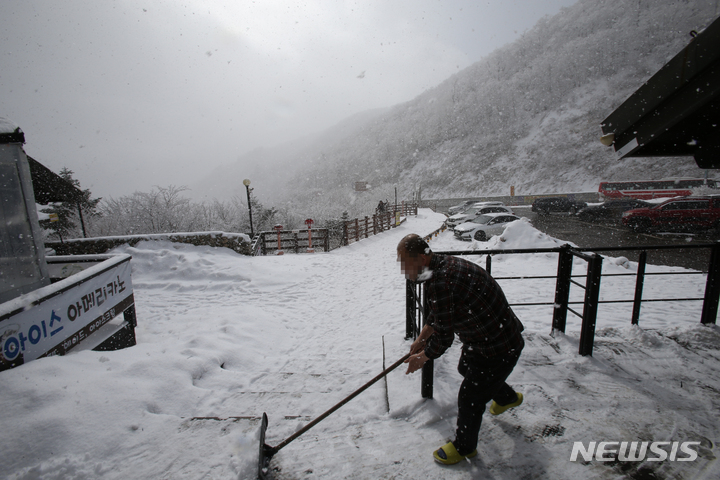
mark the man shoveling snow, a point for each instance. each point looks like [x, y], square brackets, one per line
[464, 299]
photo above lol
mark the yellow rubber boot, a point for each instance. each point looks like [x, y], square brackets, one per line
[448, 455]
[496, 409]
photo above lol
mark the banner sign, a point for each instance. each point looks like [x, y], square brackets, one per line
[58, 322]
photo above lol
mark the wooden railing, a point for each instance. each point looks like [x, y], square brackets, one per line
[291, 241]
[340, 234]
[359, 228]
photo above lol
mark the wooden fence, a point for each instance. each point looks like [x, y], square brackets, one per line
[356, 229]
[291, 241]
[325, 239]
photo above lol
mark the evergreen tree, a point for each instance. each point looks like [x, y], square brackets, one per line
[264, 218]
[71, 211]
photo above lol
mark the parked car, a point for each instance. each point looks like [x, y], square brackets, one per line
[475, 210]
[490, 209]
[461, 207]
[610, 209]
[484, 226]
[685, 213]
[543, 206]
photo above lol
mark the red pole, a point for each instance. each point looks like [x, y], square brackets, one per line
[279, 228]
[309, 223]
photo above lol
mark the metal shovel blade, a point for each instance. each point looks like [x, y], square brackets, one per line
[267, 452]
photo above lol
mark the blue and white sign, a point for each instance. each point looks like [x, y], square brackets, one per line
[54, 319]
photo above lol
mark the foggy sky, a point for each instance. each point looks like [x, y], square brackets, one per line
[130, 94]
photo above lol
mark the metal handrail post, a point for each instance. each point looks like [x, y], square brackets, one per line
[410, 310]
[426, 388]
[592, 294]
[562, 289]
[637, 302]
[712, 288]
[427, 374]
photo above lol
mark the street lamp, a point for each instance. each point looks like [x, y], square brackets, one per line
[246, 182]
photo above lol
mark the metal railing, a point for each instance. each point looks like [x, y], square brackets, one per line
[417, 309]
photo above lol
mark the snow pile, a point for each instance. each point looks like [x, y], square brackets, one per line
[7, 126]
[223, 338]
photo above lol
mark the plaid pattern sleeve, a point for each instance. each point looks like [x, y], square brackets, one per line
[465, 300]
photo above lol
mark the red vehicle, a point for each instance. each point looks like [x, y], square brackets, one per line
[649, 189]
[686, 213]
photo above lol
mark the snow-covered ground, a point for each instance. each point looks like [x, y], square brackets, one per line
[228, 336]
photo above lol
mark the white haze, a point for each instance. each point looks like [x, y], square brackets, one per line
[528, 116]
[129, 94]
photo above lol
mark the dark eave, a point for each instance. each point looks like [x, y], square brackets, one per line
[50, 187]
[677, 111]
[16, 136]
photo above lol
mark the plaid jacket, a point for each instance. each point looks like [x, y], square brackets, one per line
[464, 299]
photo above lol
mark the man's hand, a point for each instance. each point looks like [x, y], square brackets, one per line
[415, 362]
[417, 346]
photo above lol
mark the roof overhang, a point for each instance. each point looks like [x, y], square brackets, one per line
[50, 187]
[677, 111]
[47, 186]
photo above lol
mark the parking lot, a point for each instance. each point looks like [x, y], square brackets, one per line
[609, 234]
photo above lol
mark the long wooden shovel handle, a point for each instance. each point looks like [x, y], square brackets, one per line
[270, 451]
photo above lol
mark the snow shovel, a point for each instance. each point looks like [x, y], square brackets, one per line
[267, 452]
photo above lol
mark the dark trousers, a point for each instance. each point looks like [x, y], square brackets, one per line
[484, 381]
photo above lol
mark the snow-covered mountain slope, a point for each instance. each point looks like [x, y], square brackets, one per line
[527, 116]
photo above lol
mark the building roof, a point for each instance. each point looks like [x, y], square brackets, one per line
[47, 185]
[677, 111]
[10, 133]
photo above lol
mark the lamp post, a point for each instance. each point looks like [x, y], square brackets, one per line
[246, 182]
